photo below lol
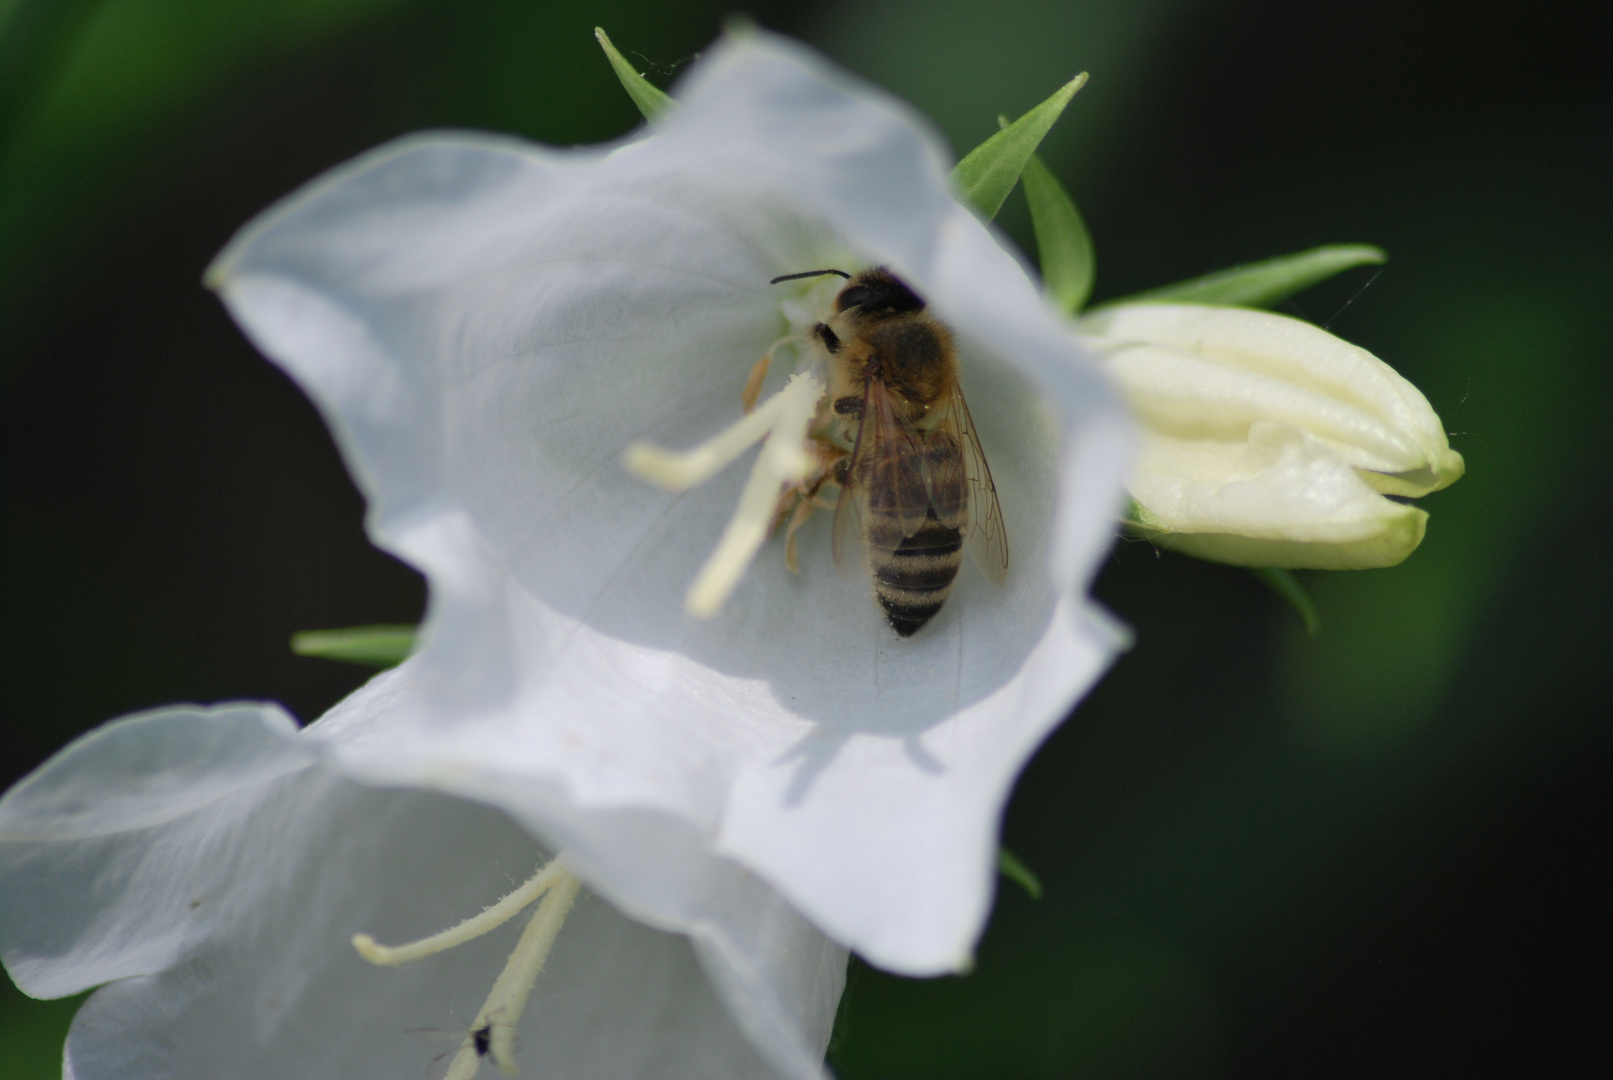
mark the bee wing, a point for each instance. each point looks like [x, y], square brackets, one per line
[847, 534]
[894, 470]
[885, 481]
[988, 538]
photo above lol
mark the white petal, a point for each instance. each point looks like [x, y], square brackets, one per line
[88, 843]
[487, 324]
[1282, 498]
[1204, 372]
[254, 890]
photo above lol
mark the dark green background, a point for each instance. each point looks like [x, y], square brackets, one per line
[1365, 854]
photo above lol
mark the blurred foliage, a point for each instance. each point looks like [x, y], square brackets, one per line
[373, 646]
[1263, 284]
[987, 174]
[1368, 852]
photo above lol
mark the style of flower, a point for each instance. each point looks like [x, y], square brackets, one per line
[487, 326]
[1269, 442]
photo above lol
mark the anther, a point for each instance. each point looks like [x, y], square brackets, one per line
[753, 382]
[781, 421]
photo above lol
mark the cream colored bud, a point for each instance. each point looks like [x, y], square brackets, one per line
[1268, 441]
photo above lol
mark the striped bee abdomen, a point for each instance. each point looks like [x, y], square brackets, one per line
[912, 579]
[915, 559]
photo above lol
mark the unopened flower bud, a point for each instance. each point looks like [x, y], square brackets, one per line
[1268, 441]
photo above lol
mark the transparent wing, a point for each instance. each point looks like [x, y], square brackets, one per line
[847, 534]
[454, 1039]
[987, 537]
[892, 470]
[885, 488]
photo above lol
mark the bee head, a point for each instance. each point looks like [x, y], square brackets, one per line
[876, 293]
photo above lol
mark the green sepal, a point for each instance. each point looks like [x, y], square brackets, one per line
[988, 173]
[1063, 245]
[1009, 866]
[651, 100]
[375, 646]
[1138, 519]
[1262, 284]
[1286, 585]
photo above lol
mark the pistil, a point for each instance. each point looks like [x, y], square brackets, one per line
[507, 999]
[558, 889]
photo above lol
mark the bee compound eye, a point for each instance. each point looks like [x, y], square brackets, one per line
[853, 296]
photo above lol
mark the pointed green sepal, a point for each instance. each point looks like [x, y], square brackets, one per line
[651, 100]
[988, 173]
[1286, 585]
[1063, 245]
[1262, 284]
[374, 646]
[1009, 866]
[1140, 521]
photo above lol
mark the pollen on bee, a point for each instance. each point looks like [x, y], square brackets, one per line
[780, 423]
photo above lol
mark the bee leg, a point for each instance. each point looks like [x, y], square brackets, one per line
[808, 496]
[753, 383]
[786, 503]
[803, 510]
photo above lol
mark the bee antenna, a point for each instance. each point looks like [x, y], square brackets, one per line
[808, 273]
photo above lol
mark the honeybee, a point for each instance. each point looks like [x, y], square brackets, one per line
[895, 434]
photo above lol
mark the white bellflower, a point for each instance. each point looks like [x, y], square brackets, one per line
[487, 326]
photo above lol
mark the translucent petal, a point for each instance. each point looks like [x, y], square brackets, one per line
[254, 888]
[488, 324]
[89, 842]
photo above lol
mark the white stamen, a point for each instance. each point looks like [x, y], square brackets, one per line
[514, 984]
[474, 927]
[676, 471]
[782, 420]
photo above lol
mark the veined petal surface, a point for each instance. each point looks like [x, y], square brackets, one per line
[211, 865]
[487, 324]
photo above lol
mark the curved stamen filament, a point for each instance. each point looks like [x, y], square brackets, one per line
[782, 421]
[514, 984]
[474, 927]
[681, 470]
